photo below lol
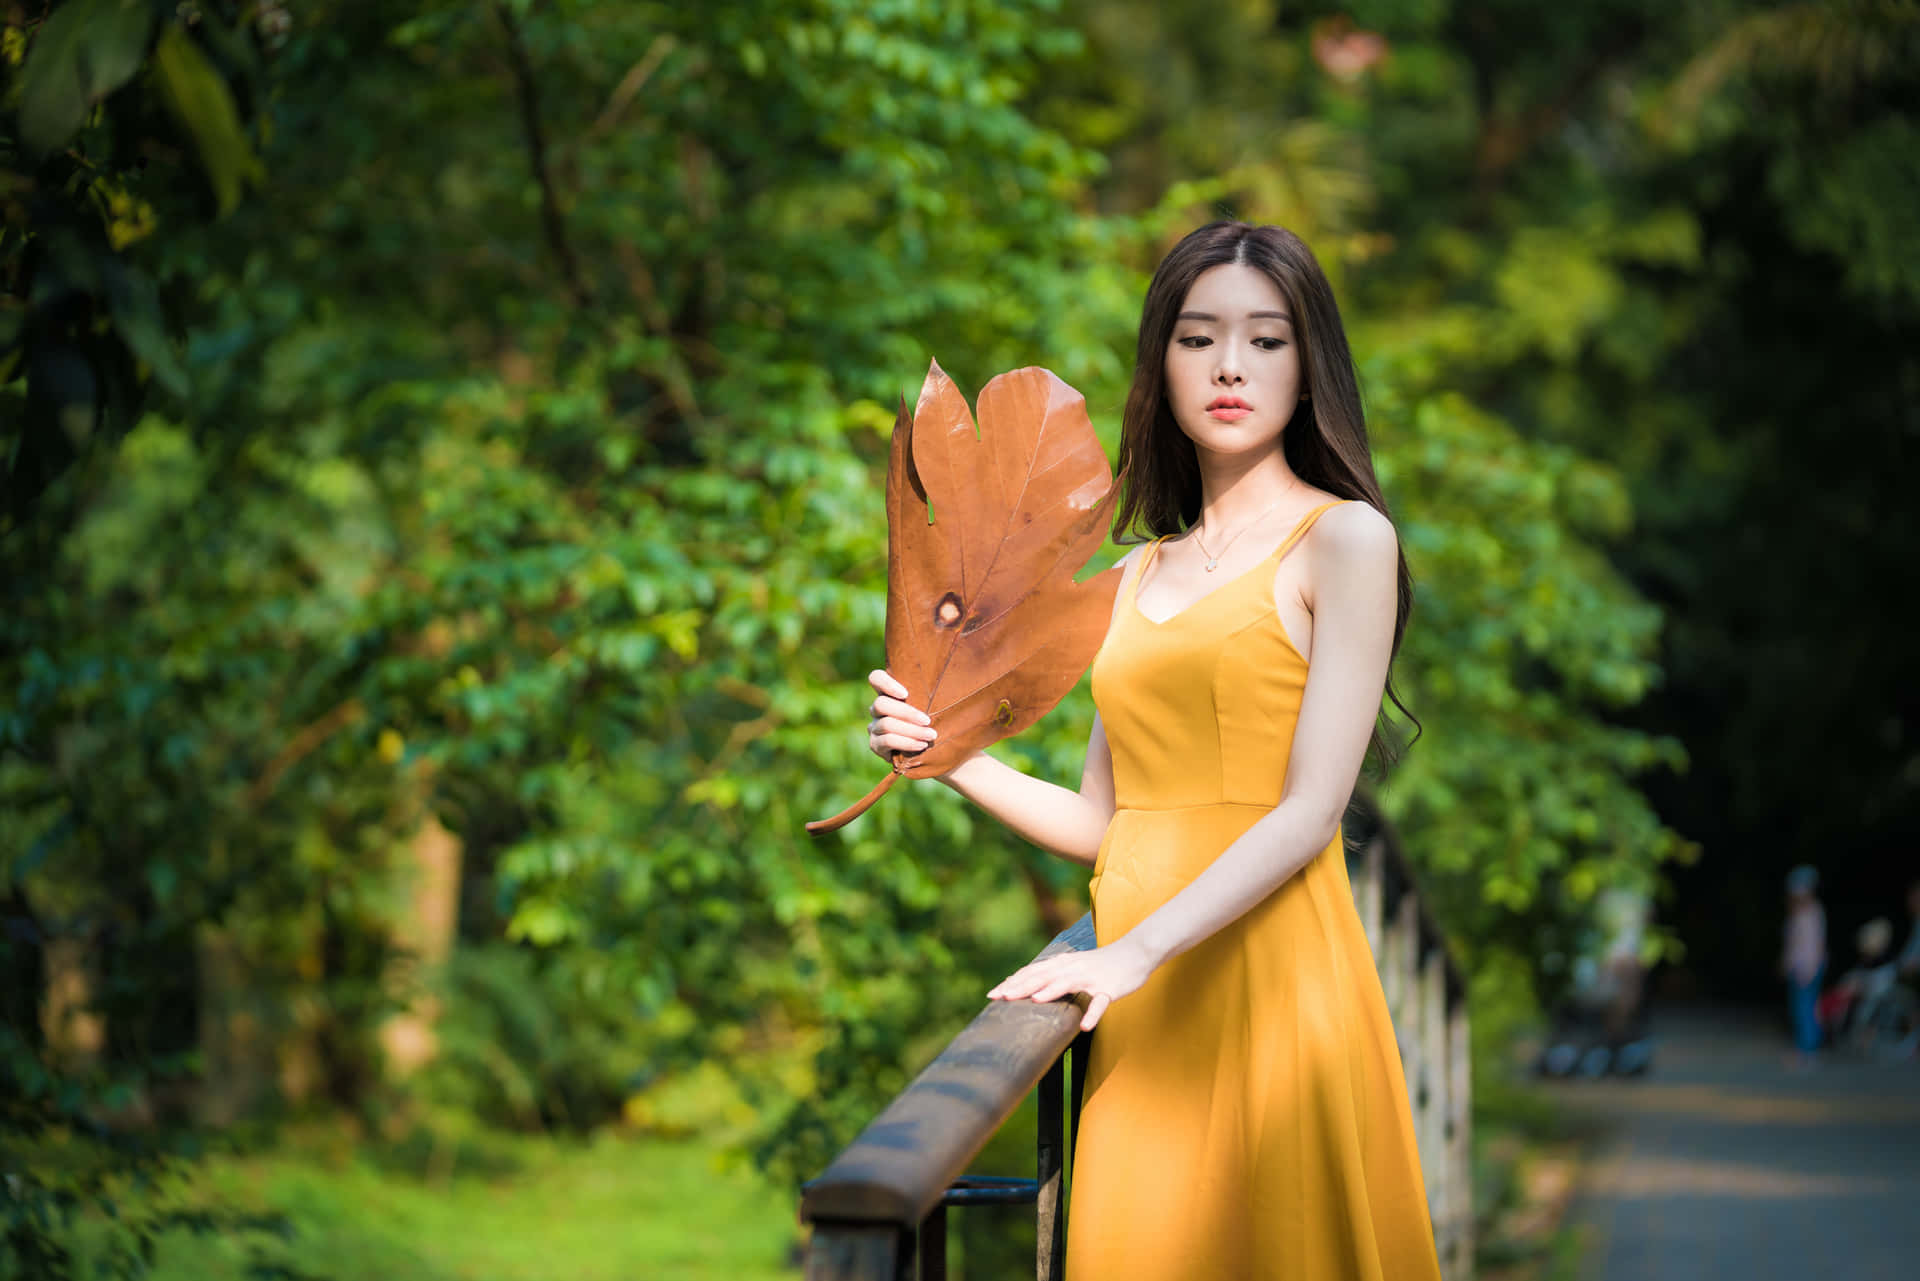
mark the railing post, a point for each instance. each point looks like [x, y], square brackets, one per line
[1368, 890]
[1430, 1120]
[933, 1245]
[1458, 1259]
[1400, 977]
[1050, 1242]
[1077, 1089]
[859, 1252]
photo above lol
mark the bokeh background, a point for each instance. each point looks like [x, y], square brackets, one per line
[443, 546]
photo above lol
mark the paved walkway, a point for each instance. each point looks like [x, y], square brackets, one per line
[1723, 1163]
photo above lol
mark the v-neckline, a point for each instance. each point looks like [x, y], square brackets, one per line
[1286, 544]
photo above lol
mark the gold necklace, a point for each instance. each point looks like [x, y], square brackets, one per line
[1213, 561]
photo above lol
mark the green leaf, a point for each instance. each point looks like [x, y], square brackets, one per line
[135, 302]
[203, 105]
[82, 53]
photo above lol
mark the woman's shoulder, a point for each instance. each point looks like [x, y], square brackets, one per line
[1354, 531]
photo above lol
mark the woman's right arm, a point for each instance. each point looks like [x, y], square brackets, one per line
[1071, 824]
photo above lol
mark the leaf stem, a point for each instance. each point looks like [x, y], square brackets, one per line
[820, 827]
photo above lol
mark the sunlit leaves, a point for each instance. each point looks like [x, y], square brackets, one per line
[200, 101]
[614, 574]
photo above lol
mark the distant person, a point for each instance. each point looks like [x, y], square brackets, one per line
[1624, 916]
[1870, 979]
[1803, 960]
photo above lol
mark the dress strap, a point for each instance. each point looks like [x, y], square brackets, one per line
[1306, 523]
[1139, 571]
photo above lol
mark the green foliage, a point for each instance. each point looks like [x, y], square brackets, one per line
[80, 1201]
[600, 1210]
[521, 1051]
[518, 460]
[88, 168]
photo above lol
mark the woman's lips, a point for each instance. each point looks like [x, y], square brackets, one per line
[1228, 413]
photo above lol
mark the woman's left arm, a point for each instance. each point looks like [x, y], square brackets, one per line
[1353, 576]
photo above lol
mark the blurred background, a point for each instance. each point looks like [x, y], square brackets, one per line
[442, 549]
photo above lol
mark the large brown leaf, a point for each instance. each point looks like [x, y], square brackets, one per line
[985, 530]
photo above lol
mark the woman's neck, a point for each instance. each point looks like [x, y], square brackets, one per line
[1237, 490]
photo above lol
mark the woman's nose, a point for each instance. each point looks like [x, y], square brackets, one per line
[1227, 374]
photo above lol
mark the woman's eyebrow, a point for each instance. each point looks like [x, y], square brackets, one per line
[1207, 317]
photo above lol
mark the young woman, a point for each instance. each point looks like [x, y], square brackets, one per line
[1246, 1115]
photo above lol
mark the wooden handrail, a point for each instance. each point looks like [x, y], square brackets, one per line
[904, 1161]
[890, 1187]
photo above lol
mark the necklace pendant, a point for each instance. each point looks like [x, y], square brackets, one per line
[1212, 565]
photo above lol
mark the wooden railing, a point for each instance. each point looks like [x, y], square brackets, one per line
[879, 1211]
[1427, 996]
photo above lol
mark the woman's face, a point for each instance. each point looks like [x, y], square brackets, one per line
[1233, 368]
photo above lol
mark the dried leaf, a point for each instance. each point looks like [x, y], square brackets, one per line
[986, 528]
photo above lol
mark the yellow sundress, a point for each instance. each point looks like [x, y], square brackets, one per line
[1246, 1116]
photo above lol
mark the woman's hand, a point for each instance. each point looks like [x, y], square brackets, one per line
[1105, 974]
[897, 725]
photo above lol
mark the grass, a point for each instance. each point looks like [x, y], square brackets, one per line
[605, 1208]
[1529, 1154]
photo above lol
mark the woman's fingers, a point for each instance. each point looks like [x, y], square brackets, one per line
[920, 734]
[901, 711]
[1003, 989]
[1021, 983]
[1105, 974]
[883, 683]
[1066, 985]
[1027, 982]
[897, 726]
[885, 743]
[903, 736]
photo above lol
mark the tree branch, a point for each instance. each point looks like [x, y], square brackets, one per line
[630, 85]
[529, 98]
[304, 741]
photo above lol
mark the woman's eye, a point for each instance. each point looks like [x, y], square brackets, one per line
[1269, 344]
[1194, 342]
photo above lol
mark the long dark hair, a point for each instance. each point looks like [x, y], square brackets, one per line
[1326, 439]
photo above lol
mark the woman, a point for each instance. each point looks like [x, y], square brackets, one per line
[1246, 1114]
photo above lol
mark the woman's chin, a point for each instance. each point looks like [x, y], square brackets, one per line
[1233, 439]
